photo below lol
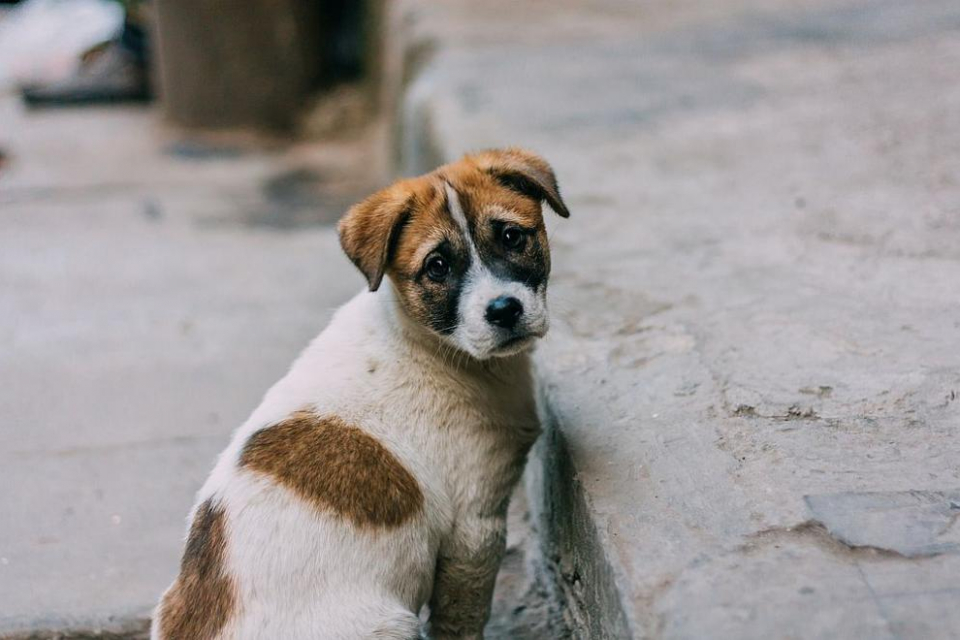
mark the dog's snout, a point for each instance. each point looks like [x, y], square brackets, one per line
[504, 312]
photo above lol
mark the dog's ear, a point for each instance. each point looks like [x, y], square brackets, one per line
[370, 229]
[524, 172]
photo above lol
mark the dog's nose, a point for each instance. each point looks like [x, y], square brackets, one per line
[504, 312]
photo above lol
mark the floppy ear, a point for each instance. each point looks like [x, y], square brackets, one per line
[525, 172]
[370, 229]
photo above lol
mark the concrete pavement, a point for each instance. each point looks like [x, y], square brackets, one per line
[753, 376]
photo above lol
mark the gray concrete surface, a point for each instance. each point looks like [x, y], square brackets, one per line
[752, 380]
[151, 288]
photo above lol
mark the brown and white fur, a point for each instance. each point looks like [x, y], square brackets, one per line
[374, 477]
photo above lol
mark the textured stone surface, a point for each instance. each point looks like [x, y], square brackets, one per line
[756, 300]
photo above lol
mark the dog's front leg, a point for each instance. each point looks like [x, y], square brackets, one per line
[466, 571]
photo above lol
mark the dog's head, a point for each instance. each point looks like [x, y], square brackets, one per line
[465, 247]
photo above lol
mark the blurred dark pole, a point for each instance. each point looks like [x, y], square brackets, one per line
[252, 63]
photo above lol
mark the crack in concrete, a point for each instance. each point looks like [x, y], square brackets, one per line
[881, 609]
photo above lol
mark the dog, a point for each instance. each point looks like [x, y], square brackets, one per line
[374, 478]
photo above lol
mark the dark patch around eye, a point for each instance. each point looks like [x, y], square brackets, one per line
[528, 264]
[445, 250]
[500, 225]
[440, 300]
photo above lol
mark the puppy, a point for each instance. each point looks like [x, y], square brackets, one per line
[374, 477]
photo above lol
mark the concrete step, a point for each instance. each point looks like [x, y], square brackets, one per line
[750, 389]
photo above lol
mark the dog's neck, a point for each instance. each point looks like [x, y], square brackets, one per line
[424, 341]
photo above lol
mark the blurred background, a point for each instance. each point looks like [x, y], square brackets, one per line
[751, 383]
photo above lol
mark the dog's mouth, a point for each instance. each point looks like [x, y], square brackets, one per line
[515, 344]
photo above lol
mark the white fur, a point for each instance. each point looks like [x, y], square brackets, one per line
[474, 334]
[462, 427]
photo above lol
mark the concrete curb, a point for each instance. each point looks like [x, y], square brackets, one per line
[572, 547]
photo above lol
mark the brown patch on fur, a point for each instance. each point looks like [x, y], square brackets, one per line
[336, 467]
[395, 230]
[480, 192]
[484, 199]
[369, 229]
[429, 303]
[430, 225]
[512, 178]
[201, 600]
[524, 171]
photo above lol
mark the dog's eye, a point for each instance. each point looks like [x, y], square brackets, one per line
[512, 237]
[437, 268]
